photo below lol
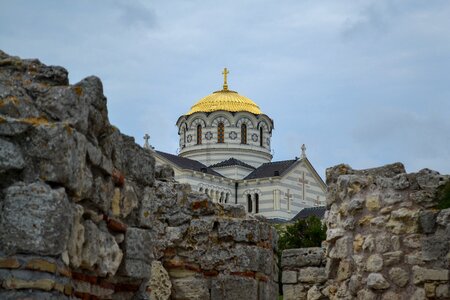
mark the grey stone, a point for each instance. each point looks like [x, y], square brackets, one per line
[443, 291]
[10, 157]
[400, 182]
[341, 248]
[423, 274]
[234, 287]
[294, 292]
[302, 257]
[427, 221]
[164, 172]
[435, 247]
[59, 155]
[190, 288]
[366, 295]
[100, 253]
[139, 244]
[376, 281]
[399, 276]
[312, 275]
[355, 204]
[31, 219]
[267, 290]
[443, 218]
[391, 258]
[240, 230]
[289, 277]
[374, 263]
[314, 293]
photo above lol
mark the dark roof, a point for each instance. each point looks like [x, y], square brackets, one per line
[318, 211]
[277, 221]
[271, 169]
[186, 163]
[232, 162]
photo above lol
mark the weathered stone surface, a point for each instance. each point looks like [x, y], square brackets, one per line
[76, 240]
[223, 288]
[31, 218]
[190, 288]
[302, 257]
[376, 281]
[289, 277]
[344, 270]
[312, 275]
[314, 293]
[100, 251]
[427, 221]
[245, 231]
[341, 248]
[423, 274]
[443, 291]
[159, 283]
[399, 276]
[10, 157]
[366, 295]
[294, 292]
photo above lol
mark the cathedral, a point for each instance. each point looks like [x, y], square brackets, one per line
[225, 152]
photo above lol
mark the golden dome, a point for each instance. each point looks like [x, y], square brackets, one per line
[225, 100]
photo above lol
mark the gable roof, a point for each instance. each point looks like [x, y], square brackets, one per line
[186, 163]
[318, 211]
[232, 162]
[271, 169]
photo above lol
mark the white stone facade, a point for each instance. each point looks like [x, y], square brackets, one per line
[202, 144]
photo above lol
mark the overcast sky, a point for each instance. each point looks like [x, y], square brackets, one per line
[359, 82]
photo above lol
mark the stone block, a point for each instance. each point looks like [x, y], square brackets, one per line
[190, 288]
[234, 287]
[31, 219]
[139, 244]
[100, 253]
[403, 221]
[390, 295]
[374, 263]
[41, 265]
[344, 270]
[159, 282]
[135, 268]
[294, 292]
[443, 291]
[9, 263]
[39, 284]
[314, 293]
[377, 281]
[435, 247]
[342, 248]
[443, 218]
[10, 157]
[373, 202]
[430, 289]
[391, 258]
[366, 295]
[427, 221]
[421, 275]
[312, 275]
[289, 277]
[267, 290]
[240, 230]
[399, 276]
[297, 258]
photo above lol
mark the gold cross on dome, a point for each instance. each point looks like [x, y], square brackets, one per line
[225, 73]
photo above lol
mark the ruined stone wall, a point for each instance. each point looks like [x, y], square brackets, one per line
[83, 213]
[386, 239]
[303, 273]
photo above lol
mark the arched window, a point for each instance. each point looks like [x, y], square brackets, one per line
[220, 133]
[199, 134]
[256, 203]
[243, 134]
[249, 203]
[261, 132]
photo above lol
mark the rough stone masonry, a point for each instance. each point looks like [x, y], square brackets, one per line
[85, 215]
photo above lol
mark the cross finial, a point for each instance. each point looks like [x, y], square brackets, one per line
[225, 84]
[303, 151]
[146, 144]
